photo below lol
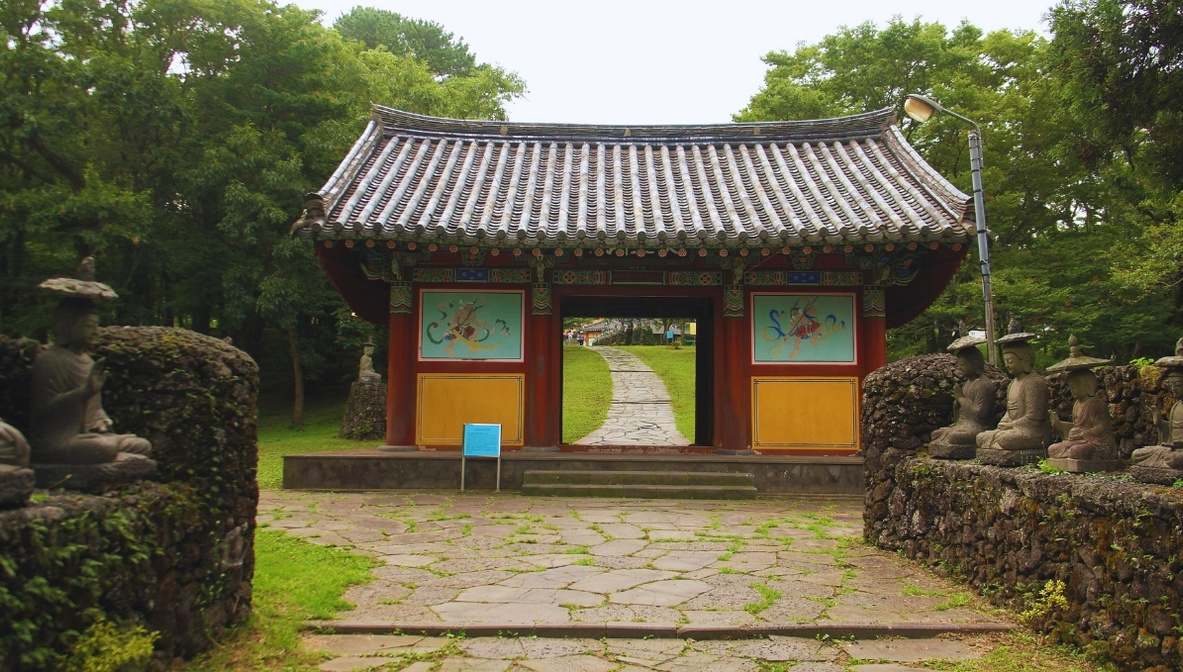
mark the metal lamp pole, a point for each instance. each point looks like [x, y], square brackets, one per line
[921, 108]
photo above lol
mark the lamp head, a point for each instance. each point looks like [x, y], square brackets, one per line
[920, 108]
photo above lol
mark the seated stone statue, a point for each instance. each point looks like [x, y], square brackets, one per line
[1168, 454]
[14, 449]
[67, 424]
[1025, 426]
[365, 367]
[1089, 436]
[973, 407]
[16, 479]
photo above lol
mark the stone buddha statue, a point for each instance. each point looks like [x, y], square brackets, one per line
[973, 405]
[1088, 443]
[71, 438]
[365, 366]
[1024, 431]
[16, 479]
[1163, 463]
[67, 423]
[14, 449]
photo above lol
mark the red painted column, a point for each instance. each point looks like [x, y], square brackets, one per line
[734, 344]
[538, 385]
[400, 369]
[543, 411]
[874, 330]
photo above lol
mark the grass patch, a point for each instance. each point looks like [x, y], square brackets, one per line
[587, 392]
[767, 597]
[277, 436]
[294, 581]
[676, 370]
[1020, 651]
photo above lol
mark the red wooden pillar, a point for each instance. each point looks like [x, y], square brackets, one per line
[400, 368]
[734, 342]
[542, 421]
[874, 328]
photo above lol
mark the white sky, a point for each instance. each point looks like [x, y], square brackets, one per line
[660, 61]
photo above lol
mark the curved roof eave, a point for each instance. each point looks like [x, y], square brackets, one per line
[851, 180]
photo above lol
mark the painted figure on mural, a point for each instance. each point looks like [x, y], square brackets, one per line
[463, 325]
[1025, 425]
[802, 326]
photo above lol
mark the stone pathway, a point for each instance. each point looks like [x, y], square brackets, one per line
[599, 578]
[640, 414]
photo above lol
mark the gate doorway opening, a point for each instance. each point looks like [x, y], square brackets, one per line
[672, 310]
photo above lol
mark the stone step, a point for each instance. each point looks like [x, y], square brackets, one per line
[640, 491]
[637, 477]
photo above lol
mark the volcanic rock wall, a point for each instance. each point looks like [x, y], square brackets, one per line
[1094, 560]
[174, 556]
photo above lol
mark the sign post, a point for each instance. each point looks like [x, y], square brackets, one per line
[481, 440]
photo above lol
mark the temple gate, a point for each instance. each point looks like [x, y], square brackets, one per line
[795, 246]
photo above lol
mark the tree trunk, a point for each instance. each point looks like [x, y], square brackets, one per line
[298, 374]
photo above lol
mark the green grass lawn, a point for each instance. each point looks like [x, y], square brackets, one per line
[294, 581]
[587, 392]
[676, 370]
[277, 437]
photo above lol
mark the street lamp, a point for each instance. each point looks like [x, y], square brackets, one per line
[921, 108]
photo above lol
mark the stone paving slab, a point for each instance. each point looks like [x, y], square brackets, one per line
[512, 654]
[681, 571]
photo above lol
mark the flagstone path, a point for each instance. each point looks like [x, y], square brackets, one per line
[640, 414]
[598, 577]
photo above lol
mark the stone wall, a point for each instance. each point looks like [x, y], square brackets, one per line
[175, 556]
[1115, 545]
[365, 412]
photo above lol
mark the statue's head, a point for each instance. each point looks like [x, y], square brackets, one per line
[1018, 357]
[1083, 384]
[1173, 382]
[970, 362]
[75, 323]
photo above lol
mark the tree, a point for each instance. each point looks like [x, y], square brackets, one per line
[423, 40]
[1121, 63]
[1052, 215]
[176, 139]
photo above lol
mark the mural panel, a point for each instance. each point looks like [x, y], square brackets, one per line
[803, 328]
[470, 325]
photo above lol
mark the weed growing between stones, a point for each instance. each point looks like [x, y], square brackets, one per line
[1051, 599]
[768, 597]
[107, 646]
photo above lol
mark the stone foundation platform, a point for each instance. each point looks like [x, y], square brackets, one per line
[1156, 475]
[95, 478]
[1085, 466]
[945, 451]
[1010, 458]
[372, 469]
[15, 485]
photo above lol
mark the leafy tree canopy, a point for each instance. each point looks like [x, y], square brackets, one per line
[175, 139]
[1065, 229]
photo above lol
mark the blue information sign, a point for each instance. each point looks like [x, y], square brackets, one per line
[482, 440]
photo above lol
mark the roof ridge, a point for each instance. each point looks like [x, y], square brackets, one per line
[867, 124]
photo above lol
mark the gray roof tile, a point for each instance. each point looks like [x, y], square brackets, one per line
[846, 180]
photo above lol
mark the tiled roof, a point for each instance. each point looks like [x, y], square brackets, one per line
[847, 180]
